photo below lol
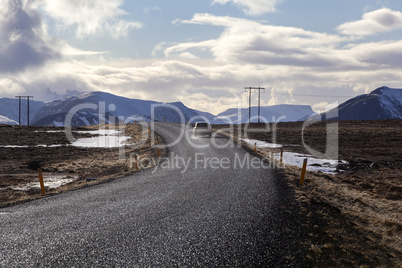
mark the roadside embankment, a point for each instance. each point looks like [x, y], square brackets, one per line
[353, 216]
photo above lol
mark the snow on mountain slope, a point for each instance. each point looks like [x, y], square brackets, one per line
[283, 113]
[9, 109]
[96, 103]
[90, 108]
[382, 103]
[49, 95]
[7, 121]
[391, 101]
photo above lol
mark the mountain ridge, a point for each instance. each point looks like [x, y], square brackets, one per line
[382, 103]
[92, 108]
[274, 113]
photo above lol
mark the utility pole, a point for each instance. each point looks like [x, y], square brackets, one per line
[249, 101]
[19, 108]
[259, 95]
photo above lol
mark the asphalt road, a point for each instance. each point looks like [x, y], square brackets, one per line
[223, 208]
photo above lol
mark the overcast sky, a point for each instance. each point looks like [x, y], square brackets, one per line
[201, 52]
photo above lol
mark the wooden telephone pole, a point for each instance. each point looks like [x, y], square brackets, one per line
[249, 101]
[19, 108]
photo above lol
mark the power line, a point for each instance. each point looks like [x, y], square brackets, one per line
[308, 95]
[249, 104]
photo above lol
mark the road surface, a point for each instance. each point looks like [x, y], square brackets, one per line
[206, 207]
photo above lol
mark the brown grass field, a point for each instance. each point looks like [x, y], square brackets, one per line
[354, 218]
[18, 171]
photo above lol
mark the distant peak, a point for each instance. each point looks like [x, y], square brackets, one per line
[92, 94]
[380, 90]
[176, 103]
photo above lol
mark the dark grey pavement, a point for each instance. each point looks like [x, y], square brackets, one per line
[215, 213]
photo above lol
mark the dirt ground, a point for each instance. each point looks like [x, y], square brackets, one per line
[49, 149]
[354, 218]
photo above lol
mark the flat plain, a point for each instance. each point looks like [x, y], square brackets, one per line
[354, 217]
[24, 149]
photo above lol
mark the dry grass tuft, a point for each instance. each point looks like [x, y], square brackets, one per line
[353, 218]
[81, 163]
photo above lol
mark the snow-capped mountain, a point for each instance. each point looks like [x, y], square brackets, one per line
[275, 113]
[50, 95]
[382, 103]
[7, 121]
[171, 114]
[91, 108]
[9, 109]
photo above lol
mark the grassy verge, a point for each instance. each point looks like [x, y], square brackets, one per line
[353, 218]
[19, 178]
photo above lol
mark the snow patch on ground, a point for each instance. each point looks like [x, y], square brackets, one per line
[100, 132]
[50, 181]
[105, 138]
[14, 146]
[313, 164]
[262, 144]
[51, 131]
[26, 146]
[296, 159]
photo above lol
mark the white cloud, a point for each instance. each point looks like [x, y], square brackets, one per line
[381, 20]
[10, 88]
[320, 107]
[252, 7]
[25, 43]
[23, 39]
[90, 17]
[246, 41]
[68, 50]
[188, 56]
[378, 54]
[291, 60]
[121, 28]
[149, 10]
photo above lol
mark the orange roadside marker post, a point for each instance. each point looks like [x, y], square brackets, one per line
[136, 163]
[303, 173]
[42, 185]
